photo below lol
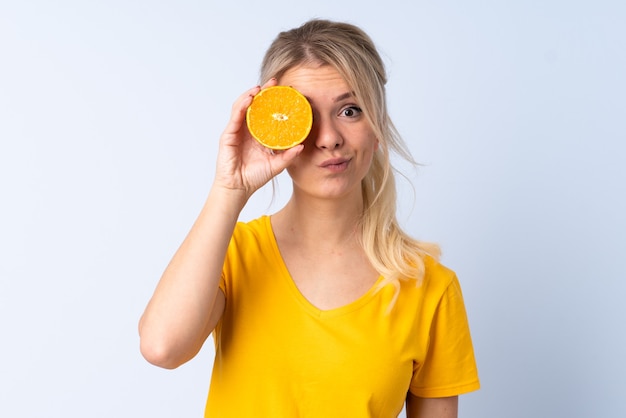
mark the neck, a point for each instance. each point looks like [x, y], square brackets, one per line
[320, 222]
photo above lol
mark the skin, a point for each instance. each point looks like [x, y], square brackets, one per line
[175, 322]
[315, 231]
[432, 407]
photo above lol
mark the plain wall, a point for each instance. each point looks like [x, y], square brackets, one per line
[110, 112]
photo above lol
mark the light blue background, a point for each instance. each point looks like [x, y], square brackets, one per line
[109, 116]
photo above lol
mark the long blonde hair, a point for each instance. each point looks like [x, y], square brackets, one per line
[347, 48]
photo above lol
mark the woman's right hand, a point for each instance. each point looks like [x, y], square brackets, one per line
[243, 164]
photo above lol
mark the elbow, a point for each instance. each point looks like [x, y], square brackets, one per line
[158, 348]
[159, 353]
[167, 347]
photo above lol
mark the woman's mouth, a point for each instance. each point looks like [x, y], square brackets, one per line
[335, 164]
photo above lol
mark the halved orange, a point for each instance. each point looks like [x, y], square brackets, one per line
[279, 117]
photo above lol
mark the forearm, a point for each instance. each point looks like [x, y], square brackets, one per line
[179, 316]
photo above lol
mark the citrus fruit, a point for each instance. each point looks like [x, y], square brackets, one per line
[279, 117]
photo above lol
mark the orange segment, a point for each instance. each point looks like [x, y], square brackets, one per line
[279, 117]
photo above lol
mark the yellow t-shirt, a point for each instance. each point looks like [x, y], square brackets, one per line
[277, 355]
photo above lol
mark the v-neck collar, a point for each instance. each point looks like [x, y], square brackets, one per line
[299, 297]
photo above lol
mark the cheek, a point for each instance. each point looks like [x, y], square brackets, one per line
[373, 150]
[368, 158]
[374, 143]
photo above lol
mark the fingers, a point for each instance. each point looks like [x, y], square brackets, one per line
[238, 113]
[271, 82]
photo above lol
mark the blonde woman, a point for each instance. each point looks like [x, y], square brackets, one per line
[326, 308]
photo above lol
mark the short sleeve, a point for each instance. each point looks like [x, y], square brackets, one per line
[449, 367]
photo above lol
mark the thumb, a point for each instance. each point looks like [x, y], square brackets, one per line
[284, 158]
[292, 153]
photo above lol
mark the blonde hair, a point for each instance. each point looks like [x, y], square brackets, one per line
[347, 48]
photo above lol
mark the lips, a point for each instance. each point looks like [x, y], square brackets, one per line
[335, 163]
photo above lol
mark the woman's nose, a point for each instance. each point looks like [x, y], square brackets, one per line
[326, 134]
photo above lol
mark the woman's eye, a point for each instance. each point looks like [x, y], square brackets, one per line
[351, 111]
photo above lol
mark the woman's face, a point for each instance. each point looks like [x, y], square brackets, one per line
[339, 150]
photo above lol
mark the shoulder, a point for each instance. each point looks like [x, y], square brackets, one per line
[427, 295]
[256, 229]
[436, 269]
[437, 276]
[253, 241]
[251, 249]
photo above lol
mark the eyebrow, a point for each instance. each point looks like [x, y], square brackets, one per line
[338, 98]
[343, 96]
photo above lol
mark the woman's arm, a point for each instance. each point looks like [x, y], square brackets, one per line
[417, 407]
[187, 302]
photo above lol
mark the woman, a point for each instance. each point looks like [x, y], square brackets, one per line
[325, 308]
